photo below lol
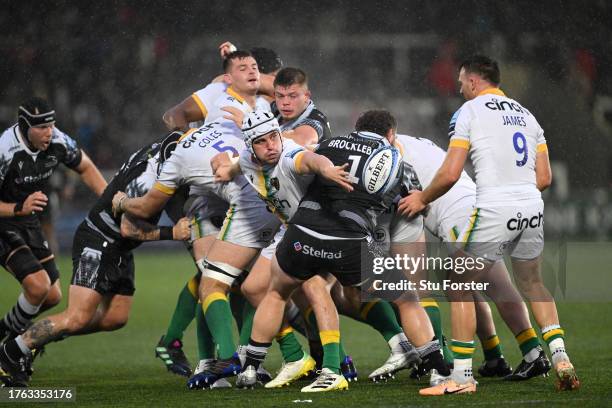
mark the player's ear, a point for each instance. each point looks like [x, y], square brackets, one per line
[227, 78]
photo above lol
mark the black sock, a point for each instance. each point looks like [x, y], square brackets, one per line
[12, 350]
[256, 353]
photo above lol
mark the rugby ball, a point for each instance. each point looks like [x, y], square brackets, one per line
[381, 170]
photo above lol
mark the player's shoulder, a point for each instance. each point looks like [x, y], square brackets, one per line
[9, 141]
[212, 90]
[59, 137]
[291, 149]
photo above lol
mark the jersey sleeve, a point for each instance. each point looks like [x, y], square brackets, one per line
[171, 175]
[205, 97]
[541, 141]
[459, 128]
[291, 160]
[143, 183]
[73, 154]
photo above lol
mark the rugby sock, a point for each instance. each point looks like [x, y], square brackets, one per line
[433, 312]
[15, 349]
[331, 349]
[311, 319]
[219, 319]
[462, 353]
[529, 344]
[379, 315]
[184, 312]
[399, 344]
[206, 345]
[20, 315]
[553, 336]
[248, 313]
[492, 349]
[289, 345]
[255, 353]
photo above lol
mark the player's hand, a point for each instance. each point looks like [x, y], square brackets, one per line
[234, 114]
[182, 230]
[36, 202]
[118, 199]
[222, 167]
[412, 204]
[338, 175]
[226, 48]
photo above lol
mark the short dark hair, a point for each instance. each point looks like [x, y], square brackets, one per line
[484, 66]
[290, 76]
[376, 121]
[240, 54]
[267, 59]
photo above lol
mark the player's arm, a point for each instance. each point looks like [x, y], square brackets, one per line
[307, 162]
[542, 168]
[303, 135]
[224, 167]
[90, 175]
[445, 178]
[143, 207]
[141, 230]
[179, 116]
[35, 202]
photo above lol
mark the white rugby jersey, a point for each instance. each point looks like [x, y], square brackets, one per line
[426, 158]
[280, 186]
[503, 138]
[218, 95]
[190, 165]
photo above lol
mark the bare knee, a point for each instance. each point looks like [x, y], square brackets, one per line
[54, 297]
[36, 287]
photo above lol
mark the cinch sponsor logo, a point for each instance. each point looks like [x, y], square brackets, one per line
[377, 170]
[317, 253]
[519, 223]
[503, 105]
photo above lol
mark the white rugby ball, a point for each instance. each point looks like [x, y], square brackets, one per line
[381, 170]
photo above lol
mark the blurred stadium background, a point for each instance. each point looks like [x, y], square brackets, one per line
[112, 68]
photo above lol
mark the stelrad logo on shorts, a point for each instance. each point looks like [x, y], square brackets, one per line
[316, 253]
[519, 223]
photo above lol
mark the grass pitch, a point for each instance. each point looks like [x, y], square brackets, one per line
[119, 368]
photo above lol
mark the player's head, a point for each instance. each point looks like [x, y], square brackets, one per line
[262, 135]
[267, 59]
[241, 72]
[381, 122]
[291, 92]
[36, 119]
[476, 74]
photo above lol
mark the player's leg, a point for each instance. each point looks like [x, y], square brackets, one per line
[82, 305]
[513, 311]
[24, 264]
[267, 322]
[495, 364]
[529, 280]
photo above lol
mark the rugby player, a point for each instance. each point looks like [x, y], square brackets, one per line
[30, 151]
[510, 158]
[102, 285]
[326, 235]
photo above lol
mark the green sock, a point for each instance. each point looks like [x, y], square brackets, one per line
[380, 316]
[206, 345]
[491, 348]
[311, 319]
[248, 312]
[527, 340]
[433, 312]
[331, 349]
[219, 319]
[290, 348]
[184, 312]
